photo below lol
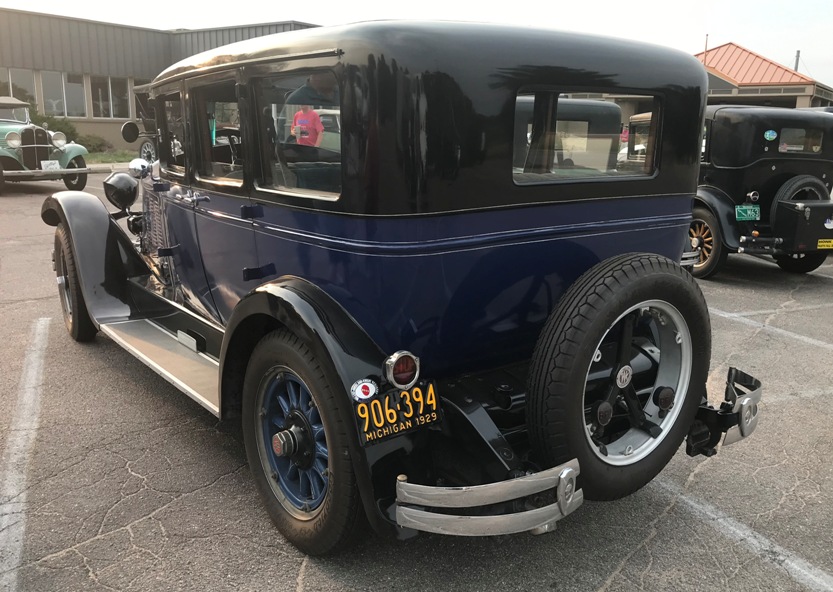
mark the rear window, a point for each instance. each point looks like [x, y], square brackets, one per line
[562, 138]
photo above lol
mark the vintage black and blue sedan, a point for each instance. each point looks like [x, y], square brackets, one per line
[404, 257]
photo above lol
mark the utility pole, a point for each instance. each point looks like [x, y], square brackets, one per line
[797, 55]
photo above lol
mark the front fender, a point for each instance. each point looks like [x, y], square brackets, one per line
[70, 151]
[338, 342]
[723, 209]
[104, 255]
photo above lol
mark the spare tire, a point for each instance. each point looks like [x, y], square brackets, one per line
[619, 372]
[800, 188]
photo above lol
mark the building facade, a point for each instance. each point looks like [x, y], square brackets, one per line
[86, 70]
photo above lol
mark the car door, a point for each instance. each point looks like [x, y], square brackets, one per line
[173, 195]
[219, 191]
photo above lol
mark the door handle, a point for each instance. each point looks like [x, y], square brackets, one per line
[195, 198]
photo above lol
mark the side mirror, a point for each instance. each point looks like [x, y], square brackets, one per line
[130, 132]
[139, 168]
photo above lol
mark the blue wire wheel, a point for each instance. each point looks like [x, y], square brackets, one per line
[300, 481]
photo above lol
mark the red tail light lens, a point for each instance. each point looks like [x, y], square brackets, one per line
[402, 369]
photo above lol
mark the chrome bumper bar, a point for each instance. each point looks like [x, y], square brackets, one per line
[413, 500]
[49, 173]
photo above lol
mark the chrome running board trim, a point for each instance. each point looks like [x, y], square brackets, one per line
[194, 374]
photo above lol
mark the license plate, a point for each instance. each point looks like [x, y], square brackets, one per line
[50, 165]
[825, 243]
[396, 411]
[747, 212]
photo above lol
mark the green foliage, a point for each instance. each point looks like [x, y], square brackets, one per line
[94, 143]
[55, 124]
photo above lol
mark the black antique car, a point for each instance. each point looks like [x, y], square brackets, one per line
[764, 187]
[456, 313]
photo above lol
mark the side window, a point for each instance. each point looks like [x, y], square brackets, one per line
[300, 133]
[217, 133]
[172, 124]
[800, 140]
[562, 138]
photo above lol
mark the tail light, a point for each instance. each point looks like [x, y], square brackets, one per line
[402, 369]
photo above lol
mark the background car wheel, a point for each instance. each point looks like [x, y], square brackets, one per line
[147, 151]
[78, 181]
[800, 262]
[76, 318]
[705, 228]
[310, 489]
[800, 188]
[619, 372]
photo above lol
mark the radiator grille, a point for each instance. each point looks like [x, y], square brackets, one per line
[36, 147]
[153, 237]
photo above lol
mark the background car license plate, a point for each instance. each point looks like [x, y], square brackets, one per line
[748, 212]
[50, 165]
[397, 411]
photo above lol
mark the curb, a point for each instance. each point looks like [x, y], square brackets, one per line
[108, 168]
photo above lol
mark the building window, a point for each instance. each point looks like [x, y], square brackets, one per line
[109, 97]
[53, 93]
[76, 104]
[100, 88]
[120, 97]
[22, 84]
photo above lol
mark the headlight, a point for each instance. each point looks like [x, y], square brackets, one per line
[13, 140]
[59, 140]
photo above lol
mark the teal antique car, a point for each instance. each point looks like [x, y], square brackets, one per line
[30, 152]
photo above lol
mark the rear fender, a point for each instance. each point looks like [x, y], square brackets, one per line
[723, 209]
[104, 255]
[345, 350]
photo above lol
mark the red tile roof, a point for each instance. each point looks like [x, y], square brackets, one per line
[744, 67]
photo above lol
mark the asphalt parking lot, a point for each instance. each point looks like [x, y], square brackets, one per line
[110, 479]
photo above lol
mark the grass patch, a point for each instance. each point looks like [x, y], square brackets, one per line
[110, 156]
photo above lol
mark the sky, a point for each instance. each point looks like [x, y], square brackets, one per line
[775, 29]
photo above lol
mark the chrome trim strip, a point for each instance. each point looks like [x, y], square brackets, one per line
[108, 330]
[537, 521]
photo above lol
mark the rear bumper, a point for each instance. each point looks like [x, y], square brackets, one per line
[427, 508]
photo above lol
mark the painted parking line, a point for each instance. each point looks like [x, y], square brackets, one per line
[15, 459]
[800, 570]
[738, 317]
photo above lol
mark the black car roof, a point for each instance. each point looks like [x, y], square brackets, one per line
[505, 52]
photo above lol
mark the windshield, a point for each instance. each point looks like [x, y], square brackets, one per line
[17, 114]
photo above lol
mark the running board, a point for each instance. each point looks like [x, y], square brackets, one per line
[195, 374]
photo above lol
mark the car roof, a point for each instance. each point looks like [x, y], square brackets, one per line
[12, 103]
[463, 50]
[769, 114]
